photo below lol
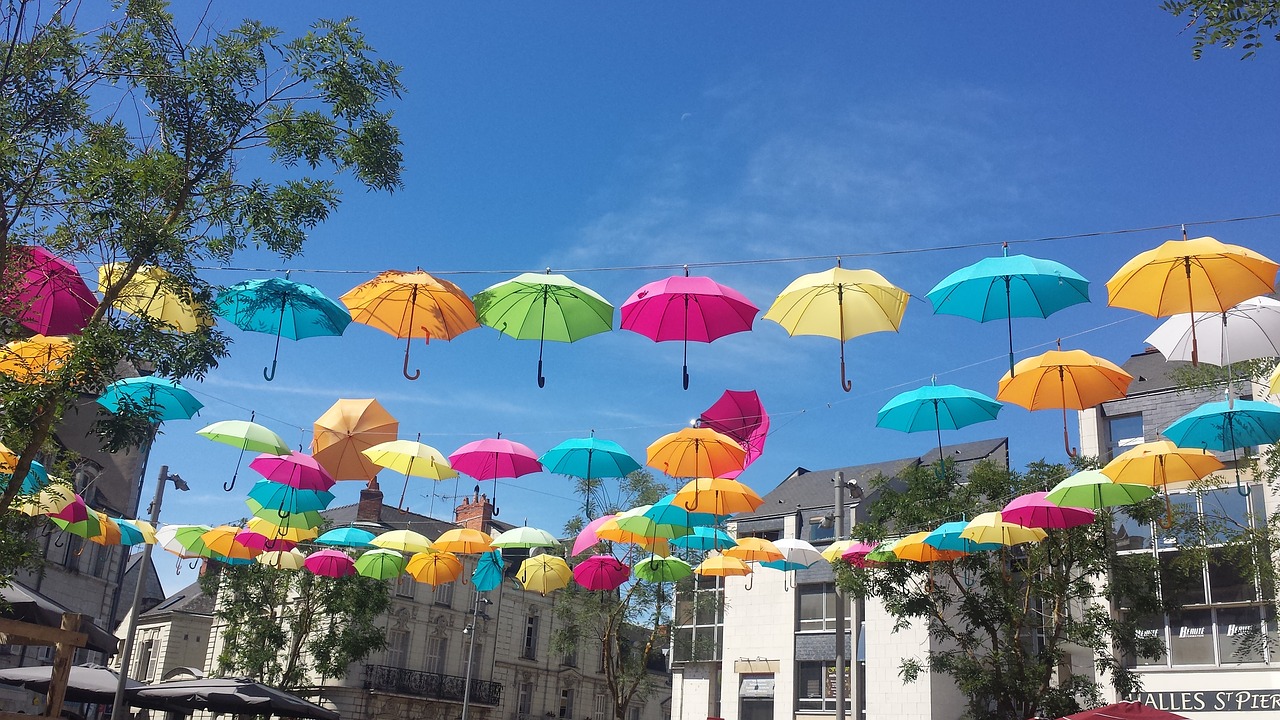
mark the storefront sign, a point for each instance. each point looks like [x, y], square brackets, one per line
[830, 672]
[1212, 700]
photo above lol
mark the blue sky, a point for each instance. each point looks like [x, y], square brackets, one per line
[578, 136]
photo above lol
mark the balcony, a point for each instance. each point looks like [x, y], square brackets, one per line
[430, 685]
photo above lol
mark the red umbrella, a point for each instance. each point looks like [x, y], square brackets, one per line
[54, 298]
[687, 308]
[1125, 711]
[1033, 510]
[330, 563]
[740, 415]
[493, 458]
[601, 572]
[588, 537]
[296, 470]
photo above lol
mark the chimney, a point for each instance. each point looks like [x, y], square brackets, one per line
[370, 507]
[475, 513]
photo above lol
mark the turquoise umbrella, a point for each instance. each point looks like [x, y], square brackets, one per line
[286, 499]
[1227, 425]
[347, 537]
[704, 538]
[664, 512]
[589, 458]
[947, 537]
[35, 481]
[488, 573]
[284, 308]
[1007, 287]
[160, 398]
[937, 408]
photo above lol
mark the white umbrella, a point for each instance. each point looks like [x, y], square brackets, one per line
[1251, 330]
[798, 552]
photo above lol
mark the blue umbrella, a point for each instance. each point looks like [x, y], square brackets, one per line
[937, 408]
[287, 499]
[947, 537]
[704, 538]
[35, 481]
[589, 458]
[1007, 287]
[284, 308]
[347, 537]
[1226, 426]
[160, 398]
[664, 512]
[488, 573]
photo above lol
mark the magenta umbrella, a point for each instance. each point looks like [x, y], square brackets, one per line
[258, 541]
[740, 415]
[297, 470]
[856, 554]
[696, 309]
[601, 572]
[54, 298]
[493, 458]
[1034, 511]
[330, 563]
[587, 537]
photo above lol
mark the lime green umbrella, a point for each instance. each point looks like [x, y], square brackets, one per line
[244, 435]
[660, 569]
[543, 307]
[381, 564]
[524, 537]
[1091, 489]
[883, 552]
[282, 518]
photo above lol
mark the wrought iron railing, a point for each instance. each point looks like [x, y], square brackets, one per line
[430, 685]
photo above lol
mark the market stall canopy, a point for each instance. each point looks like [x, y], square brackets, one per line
[24, 604]
[228, 696]
[87, 683]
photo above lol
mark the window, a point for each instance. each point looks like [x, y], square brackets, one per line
[143, 666]
[444, 595]
[633, 712]
[566, 704]
[816, 686]
[437, 649]
[406, 586]
[570, 658]
[602, 706]
[699, 620]
[817, 606]
[398, 648]
[475, 653]
[524, 699]
[1123, 432]
[531, 637]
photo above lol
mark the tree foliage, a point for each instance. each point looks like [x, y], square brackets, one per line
[1229, 23]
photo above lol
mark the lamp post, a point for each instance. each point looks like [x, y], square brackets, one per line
[841, 662]
[131, 631]
[470, 629]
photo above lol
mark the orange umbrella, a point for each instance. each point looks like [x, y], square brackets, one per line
[33, 360]
[1066, 379]
[108, 530]
[695, 452]
[412, 305]
[463, 540]
[1156, 464]
[222, 540]
[717, 496]
[345, 431]
[913, 547]
[434, 568]
[754, 549]
[722, 566]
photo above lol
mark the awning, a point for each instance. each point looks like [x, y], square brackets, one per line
[756, 687]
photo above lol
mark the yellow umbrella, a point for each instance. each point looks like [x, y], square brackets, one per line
[348, 428]
[463, 540]
[53, 498]
[1187, 276]
[913, 547]
[1156, 464]
[283, 559]
[34, 359]
[840, 304]
[413, 458]
[222, 540]
[722, 566]
[544, 574]
[404, 541]
[108, 531]
[412, 305]
[717, 496]
[1273, 382]
[434, 568]
[754, 549]
[1066, 379]
[834, 551]
[269, 529]
[990, 527]
[154, 293]
[695, 452]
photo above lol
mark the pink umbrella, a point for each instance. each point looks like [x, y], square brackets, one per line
[54, 298]
[1034, 511]
[687, 308]
[601, 572]
[740, 415]
[258, 541]
[587, 537]
[297, 470]
[330, 563]
[493, 458]
[856, 554]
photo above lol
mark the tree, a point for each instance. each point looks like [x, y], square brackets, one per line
[141, 144]
[1228, 23]
[283, 628]
[1002, 621]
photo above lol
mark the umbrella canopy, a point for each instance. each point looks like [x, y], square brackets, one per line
[108, 531]
[1185, 276]
[524, 537]
[857, 554]
[284, 308]
[345, 431]
[228, 696]
[52, 296]
[296, 470]
[1035, 510]
[754, 549]
[696, 452]
[330, 563]
[722, 566]
[347, 537]
[32, 361]
[705, 538]
[1125, 711]
[157, 294]
[544, 573]
[37, 477]
[686, 309]
[798, 552]
[1091, 489]
[601, 572]
[295, 532]
[840, 304]
[717, 496]
[412, 305]
[543, 307]
[183, 540]
[264, 543]
[493, 458]
[1246, 331]
[587, 537]
[282, 559]
[991, 527]
[413, 458]
[87, 683]
[381, 564]
[914, 547]
[404, 541]
[136, 532]
[589, 458]
[1161, 462]
[1227, 425]
[286, 499]
[660, 569]
[160, 398]
[741, 415]
[668, 512]
[936, 408]
[77, 519]
[245, 435]
[949, 536]
[1273, 381]
[434, 568]
[465, 541]
[51, 498]
[1065, 379]
[1006, 287]
[223, 541]
[488, 573]
[632, 526]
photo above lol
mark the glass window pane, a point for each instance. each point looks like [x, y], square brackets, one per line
[1124, 432]
[1228, 582]
[1240, 636]
[1185, 530]
[1181, 579]
[1226, 513]
[1191, 638]
[809, 678]
[1131, 534]
[1153, 627]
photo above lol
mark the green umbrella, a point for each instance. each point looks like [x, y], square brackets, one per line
[291, 520]
[524, 537]
[85, 527]
[244, 435]
[660, 569]
[543, 307]
[1091, 489]
[381, 564]
[883, 552]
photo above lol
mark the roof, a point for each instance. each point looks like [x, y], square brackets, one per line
[393, 518]
[1151, 372]
[190, 600]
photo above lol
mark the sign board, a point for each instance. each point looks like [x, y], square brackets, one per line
[829, 673]
[1201, 701]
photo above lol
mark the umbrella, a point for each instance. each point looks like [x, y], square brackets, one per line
[587, 537]
[1008, 287]
[155, 293]
[1091, 489]
[295, 533]
[601, 572]
[257, 541]
[524, 537]
[798, 552]
[544, 573]
[49, 500]
[1159, 463]
[660, 569]
[1035, 510]
[882, 553]
[434, 568]
[108, 531]
[696, 453]
[77, 519]
[87, 683]
[244, 435]
[286, 499]
[1066, 379]
[1247, 331]
[546, 307]
[465, 541]
[287, 520]
[157, 397]
[754, 549]
[296, 470]
[740, 415]
[1228, 425]
[347, 537]
[52, 297]
[345, 431]
[32, 361]
[381, 564]
[841, 304]
[136, 532]
[1128, 710]
[404, 541]
[722, 566]
[411, 457]
[991, 527]
[488, 573]
[589, 458]
[282, 559]
[858, 554]
[412, 305]
[704, 538]
[330, 563]
[717, 496]
[284, 308]
[668, 512]
[1189, 275]
[637, 522]
[223, 541]
[493, 458]
[948, 536]
[687, 308]
[37, 477]
[182, 540]
[914, 547]
[936, 407]
[1273, 381]
[228, 696]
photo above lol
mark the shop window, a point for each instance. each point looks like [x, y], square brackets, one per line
[816, 606]
[816, 687]
[698, 620]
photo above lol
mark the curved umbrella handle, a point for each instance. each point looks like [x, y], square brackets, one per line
[1166, 522]
[750, 578]
[416, 373]
[227, 486]
[542, 381]
[1066, 439]
[844, 382]
[1240, 487]
[270, 375]
[282, 512]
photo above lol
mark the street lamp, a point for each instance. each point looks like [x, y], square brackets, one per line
[855, 493]
[470, 629]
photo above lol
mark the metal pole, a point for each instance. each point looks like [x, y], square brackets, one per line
[471, 654]
[842, 692]
[130, 631]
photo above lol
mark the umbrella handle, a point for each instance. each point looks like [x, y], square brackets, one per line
[1240, 487]
[686, 377]
[750, 578]
[1166, 522]
[58, 541]
[227, 486]
[542, 381]
[844, 382]
[282, 512]
[1066, 439]
[270, 375]
[416, 373]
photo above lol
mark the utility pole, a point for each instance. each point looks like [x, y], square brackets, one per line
[471, 630]
[842, 692]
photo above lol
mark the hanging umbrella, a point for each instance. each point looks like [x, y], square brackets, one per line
[589, 458]
[288, 520]
[636, 521]
[587, 537]
[345, 431]
[669, 512]
[299, 532]
[53, 298]
[936, 407]
[37, 477]
[463, 541]
[34, 360]
[1066, 379]
[263, 543]
[798, 552]
[858, 554]
[281, 307]
[914, 547]
[224, 541]
[883, 553]
[493, 458]
[136, 532]
[840, 304]
[51, 498]
[412, 305]
[524, 537]
[488, 573]
[754, 549]
[695, 453]
[660, 569]
[244, 435]
[722, 566]
[1091, 489]
[1007, 287]
[832, 552]
[183, 540]
[1273, 381]
[991, 527]
[404, 541]
[717, 496]
[1156, 464]
[109, 532]
[347, 537]
[330, 563]
[285, 499]
[1228, 425]
[434, 568]
[543, 574]
[155, 293]
[601, 572]
[1036, 511]
[949, 536]
[704, 538]
[543, 307]
[381, 564]
[282, 559]
[686, 309]
[78, 519]
[296, 470]
[740, 415]
[1246, 331]
[1185, 276]
[160, 398]
[412, 458]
